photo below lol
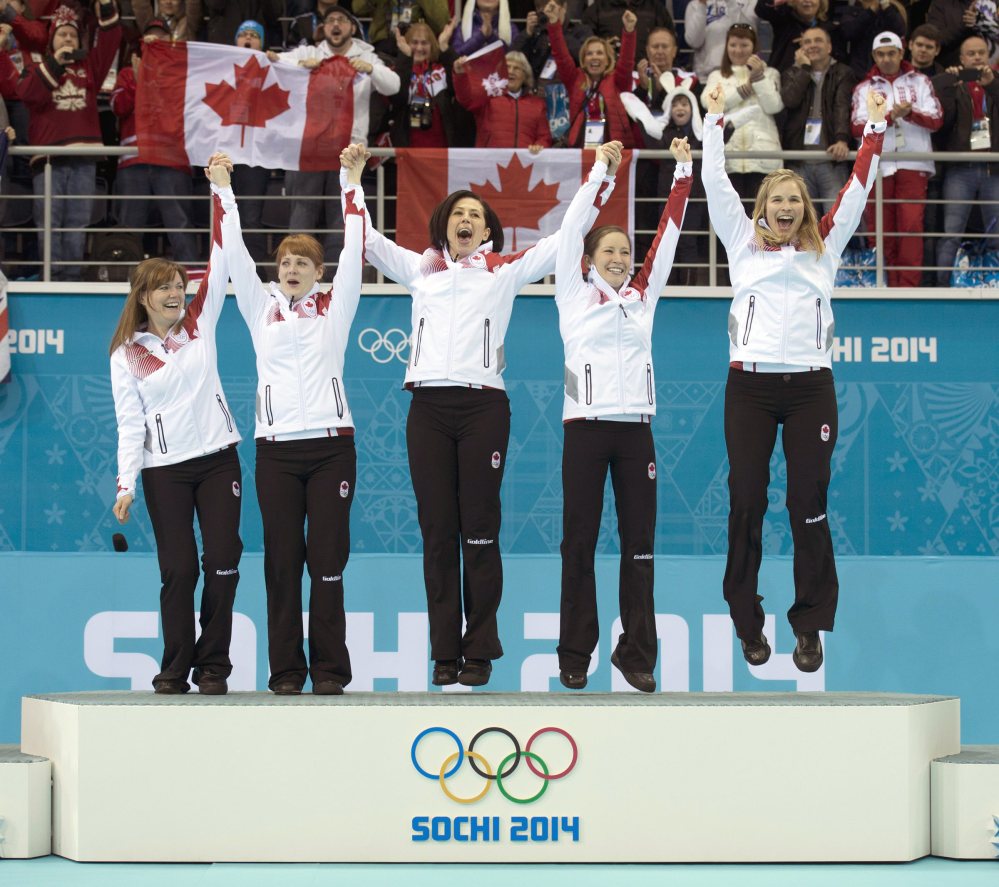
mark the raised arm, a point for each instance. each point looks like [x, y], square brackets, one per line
[347, 282]
[251, 296]
[593, 194]
[728, 218]
[839, 224]
[651, 278]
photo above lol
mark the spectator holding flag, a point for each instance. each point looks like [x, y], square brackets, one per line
[306, 463]
[606, 325]
[340, 41]
[175, 425]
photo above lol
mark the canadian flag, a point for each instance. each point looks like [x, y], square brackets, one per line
[529, 192]
[194, 99]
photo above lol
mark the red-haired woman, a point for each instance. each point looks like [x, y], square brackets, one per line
[174, 425]
[459, 419]
[783, 263]
[306, 463]
[610, 398]
[596, 113]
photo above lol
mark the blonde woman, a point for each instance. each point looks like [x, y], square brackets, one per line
[783, 262]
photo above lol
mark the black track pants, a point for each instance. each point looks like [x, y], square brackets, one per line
[208, 486]
[755, 404]
[628, 450]
[457, 440]
[313, 479]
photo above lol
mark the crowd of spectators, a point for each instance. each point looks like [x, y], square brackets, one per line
[795, 74]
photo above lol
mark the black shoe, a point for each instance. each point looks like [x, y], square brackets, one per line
[212, 685]
[756, 652]
[445, 672]
[475, 672]
[287, 688]
[807, 653]
[574, 680]
[640, 680]
[327, 688]
[170, 688]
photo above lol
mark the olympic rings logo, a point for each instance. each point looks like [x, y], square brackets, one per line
[383, 347]
[451, 764]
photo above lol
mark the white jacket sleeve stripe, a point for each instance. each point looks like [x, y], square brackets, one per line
[655, 269]
[728, 218]
[839, 224]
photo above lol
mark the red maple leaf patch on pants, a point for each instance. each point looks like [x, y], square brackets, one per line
[247, 103]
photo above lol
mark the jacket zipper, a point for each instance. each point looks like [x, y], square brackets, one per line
[336, 396]
[419, 340]
[267, 405]
[485, 344]
[589, 384]
[225, 412]
[648, 380]
[749, 319]
[159, 433]
[818, 324]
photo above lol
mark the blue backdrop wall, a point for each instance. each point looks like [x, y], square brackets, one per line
[914, 509]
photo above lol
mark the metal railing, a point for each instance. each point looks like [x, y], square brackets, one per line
[381, 201]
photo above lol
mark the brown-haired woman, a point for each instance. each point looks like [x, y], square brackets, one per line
[459, 418]
[610, 399]
[306, 463]
[175, 425]
[783, 262]
[751, 93]
[596, 113]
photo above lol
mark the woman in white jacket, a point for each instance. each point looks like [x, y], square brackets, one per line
[306, 462]
[459, 420]
[752, 97]
[175, 425]
[783, 263]
[610, 398]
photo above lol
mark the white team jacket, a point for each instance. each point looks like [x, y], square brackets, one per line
[167, 394]
[910, 133]
[300, 348]
[608, 334]
[461, 310]
[782, 298]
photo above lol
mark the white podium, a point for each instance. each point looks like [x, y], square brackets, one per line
[25, 804]
[965, 792]
[366, 777]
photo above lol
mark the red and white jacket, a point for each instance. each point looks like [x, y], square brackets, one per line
[167, 394]
[607, 333]
[300, 346]
[781, 309]
[909, 133]
[62, 100]
[461, 310]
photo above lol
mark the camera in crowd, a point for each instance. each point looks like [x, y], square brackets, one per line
[420, 113]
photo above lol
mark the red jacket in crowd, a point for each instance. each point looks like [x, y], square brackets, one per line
[62, 100]
[503, 121]
[611, 86]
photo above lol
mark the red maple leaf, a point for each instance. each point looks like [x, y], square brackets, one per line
[247, 103]
[515, 200]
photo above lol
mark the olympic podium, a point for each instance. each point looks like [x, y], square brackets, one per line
[483, 777]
